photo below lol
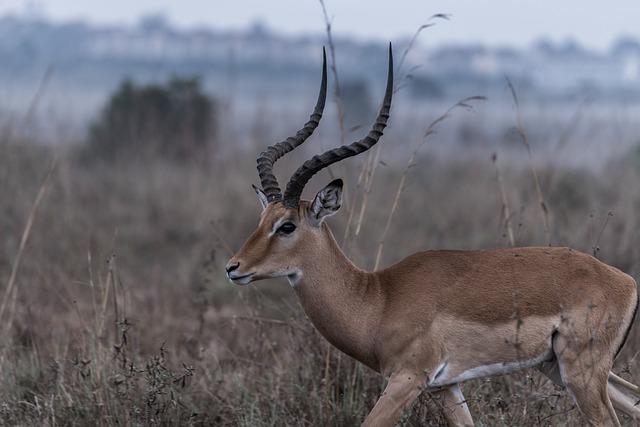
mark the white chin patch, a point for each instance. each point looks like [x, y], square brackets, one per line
[241, 281]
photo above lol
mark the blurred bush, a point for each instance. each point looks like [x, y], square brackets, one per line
[175, 120]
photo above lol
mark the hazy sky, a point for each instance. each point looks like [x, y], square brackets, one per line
[518, 22]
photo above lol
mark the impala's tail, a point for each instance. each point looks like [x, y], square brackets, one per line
[625, 396]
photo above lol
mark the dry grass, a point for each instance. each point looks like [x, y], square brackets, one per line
[122, 315]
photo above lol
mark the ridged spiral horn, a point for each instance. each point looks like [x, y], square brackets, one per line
[312, 166]
[268, 157]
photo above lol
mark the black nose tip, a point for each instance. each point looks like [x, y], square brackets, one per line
[231, 267]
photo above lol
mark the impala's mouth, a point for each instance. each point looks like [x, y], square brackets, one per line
[240, 279]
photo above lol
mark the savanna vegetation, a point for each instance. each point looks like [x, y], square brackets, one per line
[114, 307]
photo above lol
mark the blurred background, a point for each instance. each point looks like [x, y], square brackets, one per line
[128, 138]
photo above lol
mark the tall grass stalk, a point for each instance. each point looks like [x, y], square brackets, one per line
[10, 290]
[506, 209]
[430, 130]
[544, 210]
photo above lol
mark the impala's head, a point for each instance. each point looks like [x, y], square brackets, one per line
[283, 237]
[290, 228]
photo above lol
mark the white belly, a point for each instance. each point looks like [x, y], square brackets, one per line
[472, 350]
[447, 375]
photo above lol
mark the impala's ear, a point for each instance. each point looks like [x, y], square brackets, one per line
[261, 196]
[327, 202]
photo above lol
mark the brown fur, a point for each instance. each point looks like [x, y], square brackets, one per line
[437, 315]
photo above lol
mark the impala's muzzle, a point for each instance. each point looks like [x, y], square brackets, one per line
[236, 275]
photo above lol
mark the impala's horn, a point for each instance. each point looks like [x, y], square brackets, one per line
[268, 157]
[309, 168]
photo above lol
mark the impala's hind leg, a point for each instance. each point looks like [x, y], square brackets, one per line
[617, 389]
[584, 370]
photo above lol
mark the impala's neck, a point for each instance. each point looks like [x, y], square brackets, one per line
[343, 302]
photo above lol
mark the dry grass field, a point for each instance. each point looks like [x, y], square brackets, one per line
[115, 309]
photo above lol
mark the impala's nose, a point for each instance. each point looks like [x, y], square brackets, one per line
[231, 266]
[235, 275]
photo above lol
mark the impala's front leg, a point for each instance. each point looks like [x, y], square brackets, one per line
[401, 390]
[454, 407]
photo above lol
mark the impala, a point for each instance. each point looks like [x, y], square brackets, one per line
[438, 318]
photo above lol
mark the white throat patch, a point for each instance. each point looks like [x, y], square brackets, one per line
[295, 278]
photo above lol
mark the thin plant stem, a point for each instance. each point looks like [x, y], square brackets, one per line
[337, 94]
[414, 39]
[26, 233]
[430, 130]
[506, 210]
[334, 70]
[367, 190]
[544, 210]
[596, 245]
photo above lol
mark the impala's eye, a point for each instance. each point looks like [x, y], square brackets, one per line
[287, 228]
